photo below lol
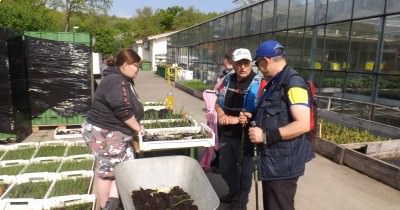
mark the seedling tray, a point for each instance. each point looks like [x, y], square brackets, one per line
[65, 133]
[178, 143]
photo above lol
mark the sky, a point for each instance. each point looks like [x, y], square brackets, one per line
[127, 8]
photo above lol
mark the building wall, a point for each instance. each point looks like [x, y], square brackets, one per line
[159, 46]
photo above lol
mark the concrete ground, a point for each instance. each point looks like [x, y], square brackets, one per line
[325, 185]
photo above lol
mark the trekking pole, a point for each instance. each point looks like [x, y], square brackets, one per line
[253, 124]
[241, 163]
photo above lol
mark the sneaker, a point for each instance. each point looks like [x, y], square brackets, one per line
[226, 198]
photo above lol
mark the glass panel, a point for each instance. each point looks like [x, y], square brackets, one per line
[280, 37]
[297, 12]
[265, 37]
[267, 16]
[364, 44]
[332, 84]
[389, 90]
[339, 10]
[316, 12]
[336, 46]
[222, 27]
[255, 19]
[211, 25]
[204, 32]
[237, 19]
[391, 45]
[365, 8]
[229, 26]
[294, 47]
[246, 19]
[281, 15]
[392, 6]
[359, 87]
[313, 47]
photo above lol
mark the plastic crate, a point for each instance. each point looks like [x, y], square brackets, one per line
[166, 171]
[68, 200]
[65, 133]
[181, 143]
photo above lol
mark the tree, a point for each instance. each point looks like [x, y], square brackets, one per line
[26, 15]
[71, 7]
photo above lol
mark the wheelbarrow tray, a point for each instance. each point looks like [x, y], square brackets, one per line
[166, 171]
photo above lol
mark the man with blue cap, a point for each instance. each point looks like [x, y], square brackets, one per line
[282, 120]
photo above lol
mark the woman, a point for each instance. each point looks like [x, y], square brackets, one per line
[111, 122]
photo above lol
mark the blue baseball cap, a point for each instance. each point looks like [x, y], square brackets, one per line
[270, 48]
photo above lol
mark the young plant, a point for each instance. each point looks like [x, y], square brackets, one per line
[78, 150]
[48, 151]
[23, 154]
[35, 190]
[83, 206]
[43, 167]
[340, 134]
[76, 165]
[77, 186]
[11, 170]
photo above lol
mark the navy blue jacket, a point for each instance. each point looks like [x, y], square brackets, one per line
[285, 159]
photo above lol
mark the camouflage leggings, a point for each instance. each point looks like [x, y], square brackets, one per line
[109, 148]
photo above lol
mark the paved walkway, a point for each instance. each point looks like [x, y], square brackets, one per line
[326, 185]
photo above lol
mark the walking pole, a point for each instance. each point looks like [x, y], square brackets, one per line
[253, 124]
[241, 163]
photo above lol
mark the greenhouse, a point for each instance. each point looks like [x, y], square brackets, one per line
[349, 49]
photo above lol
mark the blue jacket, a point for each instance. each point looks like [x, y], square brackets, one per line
[285, 159]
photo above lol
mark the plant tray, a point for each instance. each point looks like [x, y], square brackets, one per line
[21, 204]
[165, 171]
[179, 143]
[65, 133]
[193, 122]
[62, 202]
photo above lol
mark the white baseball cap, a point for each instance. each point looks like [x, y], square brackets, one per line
[240, 54]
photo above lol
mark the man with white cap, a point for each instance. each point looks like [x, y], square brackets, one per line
[239, 91]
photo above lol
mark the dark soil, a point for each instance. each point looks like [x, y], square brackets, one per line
[149, 199]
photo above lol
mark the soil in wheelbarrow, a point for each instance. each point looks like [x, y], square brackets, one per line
[152, 200]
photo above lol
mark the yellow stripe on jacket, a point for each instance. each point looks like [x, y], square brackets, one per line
[298, 95]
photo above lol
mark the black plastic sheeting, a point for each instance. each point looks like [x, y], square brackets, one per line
[14, 111]
[59, 77]
[6, 107]
[19, 87]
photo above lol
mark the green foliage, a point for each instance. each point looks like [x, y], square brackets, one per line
[196, 84]
[110, 32]
[78, 150]
[26, 15]
[77, 186]
[48, 151]
[84, 206]
[35, 190]
[76, 165]
[11, 170]
[42, 167]
[19, 154]
[343, 135]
